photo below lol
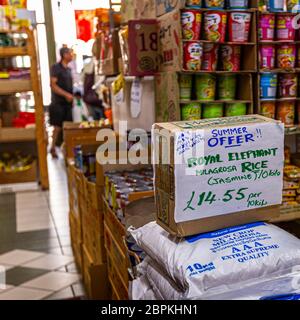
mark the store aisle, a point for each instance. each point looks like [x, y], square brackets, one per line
[35, 247]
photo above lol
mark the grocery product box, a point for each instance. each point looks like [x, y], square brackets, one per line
[95, 278]
[216, 173]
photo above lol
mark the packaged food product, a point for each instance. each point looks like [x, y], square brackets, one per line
[286, 56]
[205, 86]
[235, 109]
[191, 111]
[287, 155]
[289, 203]
[210, 57]
[217, 4]
[191, 24]
[267, 56]
[185, 86]
[192, 59]
[298, 56]
[286, 112]
[266, 27]
[284, 27]
[293, 5]
[268, 85]
[275, 5]
[289, 193]
[212, 110]
[238, 4]
[290, 185]
[227, 86]
[239, 26]
[215, 26]
[193, 3]
[288, 85]
[231, 57]
[268, 109]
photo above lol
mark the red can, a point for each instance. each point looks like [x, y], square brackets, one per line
[215, 26]
[239, 26]
[231, 57]
[288, 85]
[284, 27]
[210, 57]
[191, 24]
[192, 59]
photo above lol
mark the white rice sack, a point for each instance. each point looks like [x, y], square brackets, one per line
[224, 260]
[140, 289]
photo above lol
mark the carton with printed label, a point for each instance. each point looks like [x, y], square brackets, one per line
[216, 173]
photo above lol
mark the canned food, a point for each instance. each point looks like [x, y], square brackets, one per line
[239, 26]
[288, 85]
[284, 27]
[267, 56]
[210, 57]
[193, 3]
[235, 109]
[216, 4]
[286, 112]
[212, 110]
[268, 109]
[266, 28]
[231, 57]
[206, 87]
[185, 85]
[238, 4]
[286, 56]
[191, 24]
[293, 5]
[191, 111]
[215, 26]
[192, 59]
[268, 85]
[227, 87]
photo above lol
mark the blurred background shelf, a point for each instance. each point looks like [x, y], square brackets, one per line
[10, 135]
[11, 86]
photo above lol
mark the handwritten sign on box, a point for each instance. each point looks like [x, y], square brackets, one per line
[222, 166]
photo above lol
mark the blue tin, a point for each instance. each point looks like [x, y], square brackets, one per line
[238, 4]
[268, 85]
[275, 5]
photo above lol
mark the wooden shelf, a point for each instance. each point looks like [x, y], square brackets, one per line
[220, 9]
[218, 72]
[214, 101]
[11, 86]
[278, 70]
[13, 51]
[222, 43]
[292, 130]
[279, 99]
[10, 135]
[278, 42]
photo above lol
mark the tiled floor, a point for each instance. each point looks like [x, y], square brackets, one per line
[36, 257]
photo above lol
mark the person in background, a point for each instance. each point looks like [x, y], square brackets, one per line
[62, 95]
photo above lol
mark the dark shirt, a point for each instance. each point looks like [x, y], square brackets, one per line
[64, 81]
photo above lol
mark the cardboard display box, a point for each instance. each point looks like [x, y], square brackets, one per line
[95, 278]
[206, 184]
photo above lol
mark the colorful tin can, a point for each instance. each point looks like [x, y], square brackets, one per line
[185, 86]
[293, 5]
[286, 112]
[238, 4]
[268, 109]
[206, 87]
[231, 57]
[193, 4]
[191, 24]
[284, 27]
[298, 56]
[288, 85]
[227, 86]
[215, 26]
[210, 57]
[239, 26]
[286, 56]
[214, 4]
[212, 110]
[267, 56]
[275, 5]
[89, 164]
[266, 27]
[192, 59]
[235, 109]
[268, 85]
[191, 111]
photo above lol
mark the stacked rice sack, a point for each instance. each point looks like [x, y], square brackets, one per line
[252, 261]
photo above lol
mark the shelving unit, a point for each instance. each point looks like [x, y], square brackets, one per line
[35, 135]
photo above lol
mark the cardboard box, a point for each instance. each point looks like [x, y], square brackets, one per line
[118, 253]
[143, 47]
[167, 97]
[119, 290]
[122, 109]
[138, 9]
[95, 278]
[212, 174]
